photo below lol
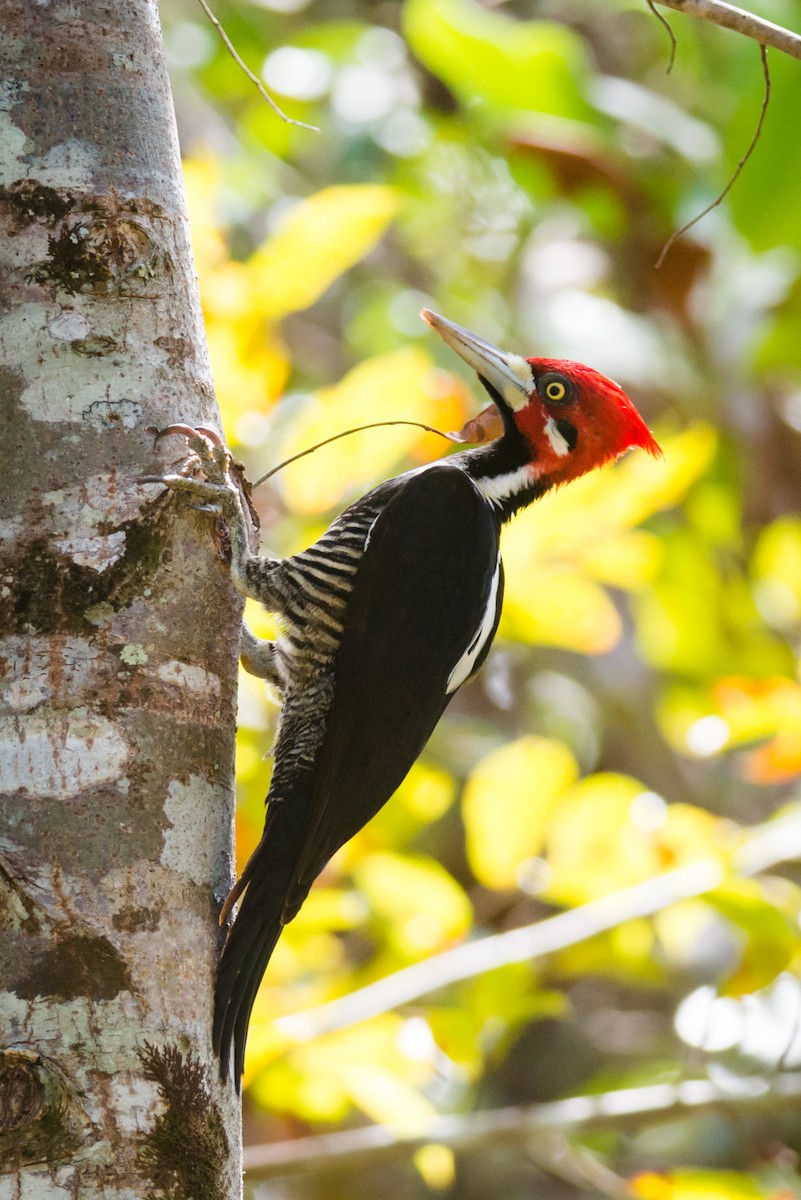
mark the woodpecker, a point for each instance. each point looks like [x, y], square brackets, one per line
[383, 619]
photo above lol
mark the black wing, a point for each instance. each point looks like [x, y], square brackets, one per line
[419, 597]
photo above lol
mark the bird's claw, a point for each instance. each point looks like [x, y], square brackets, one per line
[209, 451]
[192, 433]
[208, 456]
[211, 479]
[185, 430]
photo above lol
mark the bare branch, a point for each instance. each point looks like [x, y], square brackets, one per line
[719, 199]
[747, 23]
[533, 1125]
[253, 78]
[557, 1153]
[774, 842]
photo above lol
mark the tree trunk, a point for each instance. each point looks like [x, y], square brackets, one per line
[119, 633]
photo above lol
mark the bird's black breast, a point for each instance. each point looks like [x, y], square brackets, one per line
[418, 599]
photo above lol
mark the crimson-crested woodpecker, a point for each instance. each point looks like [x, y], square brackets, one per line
[383, 619]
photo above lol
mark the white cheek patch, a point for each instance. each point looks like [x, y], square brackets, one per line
[558, 443]
[521, 370]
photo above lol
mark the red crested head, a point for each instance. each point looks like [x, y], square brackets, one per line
[575, 419]
[571, 418]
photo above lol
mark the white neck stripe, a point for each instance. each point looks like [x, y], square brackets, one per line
[497, 488]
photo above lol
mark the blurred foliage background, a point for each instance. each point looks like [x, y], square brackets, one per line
[518, 166]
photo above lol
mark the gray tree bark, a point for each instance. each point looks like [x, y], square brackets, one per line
[118, 633]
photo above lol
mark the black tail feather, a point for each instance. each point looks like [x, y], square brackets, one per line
[251, 941]
[270, 876]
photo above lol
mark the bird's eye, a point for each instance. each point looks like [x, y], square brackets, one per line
[556, 389]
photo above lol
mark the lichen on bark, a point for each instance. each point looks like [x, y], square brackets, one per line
[118, 629]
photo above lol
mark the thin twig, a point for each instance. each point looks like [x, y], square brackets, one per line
[253, 78]
[346, 433]
[746, 23]
[719, 199]
[664, 21]
[353, 1149]
[774, 842]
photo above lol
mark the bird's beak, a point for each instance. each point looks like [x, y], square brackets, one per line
[507, 374]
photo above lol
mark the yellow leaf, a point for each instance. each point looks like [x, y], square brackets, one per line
[556, 550]
[755, 708]
[262, 623]
[424, 906]
[425, 794]
[437, 1165]
[250, 368]
[697, 1185]
[201, 183]
[398, 385]
[681, 929]
[602, 838]
[625, 954]
[227, 292]
[320, 238]
[508, 802]
[557, 608]
[766, 911]
[364, 1066]
[776, 762]
[566, 525]
[640, 486]
[388, 1099]
[777, 568]
[626, 560]
[330, 908]
[248, 359]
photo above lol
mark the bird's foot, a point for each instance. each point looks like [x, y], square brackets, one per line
[206, 474]
[258, 657]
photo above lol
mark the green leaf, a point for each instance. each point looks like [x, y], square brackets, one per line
[764, 199]
[506, 64]
[491, 1010]
[767, 913]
